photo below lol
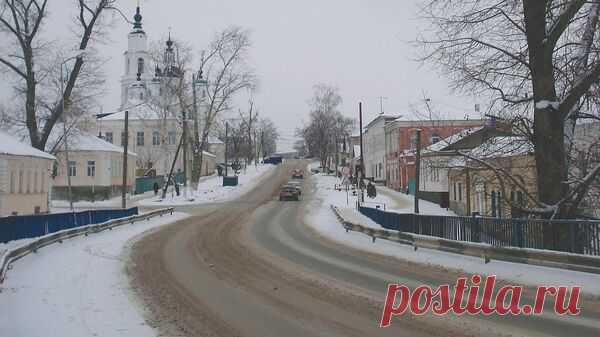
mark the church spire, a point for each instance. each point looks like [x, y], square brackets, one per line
[137, 18]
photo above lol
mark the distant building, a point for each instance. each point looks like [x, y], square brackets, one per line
[401, 144]
[433, 183]
[25, 177]
[95, 167]
[374, 145]
[476, 188]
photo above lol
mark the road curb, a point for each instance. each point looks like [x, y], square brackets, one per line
[16, 253]
[553, 259]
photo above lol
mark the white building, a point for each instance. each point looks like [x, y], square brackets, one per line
[95, 168]
[25, 177]
[154, 114]
[374, 147]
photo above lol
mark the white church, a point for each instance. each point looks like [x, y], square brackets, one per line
[155, 117]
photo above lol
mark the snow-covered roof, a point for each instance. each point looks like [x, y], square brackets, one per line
[453, 139]
[144, 111]
[9, 145]
[506, 146]
[83, 141]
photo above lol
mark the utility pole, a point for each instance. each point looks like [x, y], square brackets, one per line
[255, 149]
[184, 135]
[169, 178]
[125, 144]
[362, 153]
[417, 170]
[65, 133]
[226, 145]
[262, 143]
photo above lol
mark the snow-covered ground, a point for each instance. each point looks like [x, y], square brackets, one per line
[61, 206]
[394, 201]
[212, 189]
[77, 288]
[324, 221]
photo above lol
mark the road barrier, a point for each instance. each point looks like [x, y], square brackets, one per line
[487, 252]
[571, 236]
[31, 247]
[30, 226]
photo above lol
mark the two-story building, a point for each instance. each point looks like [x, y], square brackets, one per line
[374, 145]
[401, 140]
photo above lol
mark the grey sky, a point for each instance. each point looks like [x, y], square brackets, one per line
[361, 46]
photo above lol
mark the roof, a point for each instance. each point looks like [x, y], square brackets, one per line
[83, 141]
[453, 139]
[144, 111]
[9, 145]
[386, 117]
[506, 146]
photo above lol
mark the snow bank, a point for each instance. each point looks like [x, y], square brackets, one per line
[212, 189]
[77, 288]
[323, 220]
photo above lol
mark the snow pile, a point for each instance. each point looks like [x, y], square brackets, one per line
[212, 190]
[77, 288]
[61, 206]
[320, 217]
[543, 104]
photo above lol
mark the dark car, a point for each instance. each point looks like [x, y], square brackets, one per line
[297, 174]
[288, 193]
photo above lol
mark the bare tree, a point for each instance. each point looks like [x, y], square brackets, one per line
[268, 136]
[539, 62]
[326, 124]
[227, 72]
[34, 63]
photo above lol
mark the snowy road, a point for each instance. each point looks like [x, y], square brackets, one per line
[77, 288]
[253, 267]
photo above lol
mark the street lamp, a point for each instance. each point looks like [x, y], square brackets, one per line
[78, 55]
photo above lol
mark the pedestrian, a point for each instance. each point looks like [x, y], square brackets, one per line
[155, 188]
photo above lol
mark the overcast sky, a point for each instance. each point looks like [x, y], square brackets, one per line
[361, 46]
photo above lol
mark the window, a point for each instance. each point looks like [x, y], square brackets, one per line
[140, 138]
[454, 196]
[12, 182]
[20, 181]
[155, 138]
[123, 138]
[108, 137]
[91, 168]
[413, 140]
[43, 187]
[72, 169]
[172, 138]
[28, 181]
[459, 191]
[35, 182]
[140, 65]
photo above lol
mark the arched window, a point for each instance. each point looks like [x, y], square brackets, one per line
[141, 65]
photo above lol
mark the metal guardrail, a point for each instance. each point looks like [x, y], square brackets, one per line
[571, 236]
[555, 259]
[16, 253]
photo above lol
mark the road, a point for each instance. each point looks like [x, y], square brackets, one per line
[251, 267]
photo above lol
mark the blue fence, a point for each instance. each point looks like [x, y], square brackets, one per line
[29, 226]
[575, 236]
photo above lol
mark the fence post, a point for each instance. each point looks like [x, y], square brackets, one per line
[475, 229]
[517, 233]
[572, 237]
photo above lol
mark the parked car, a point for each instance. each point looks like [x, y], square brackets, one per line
[288, 193]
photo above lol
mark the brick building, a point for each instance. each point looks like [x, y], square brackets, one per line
[401, 146]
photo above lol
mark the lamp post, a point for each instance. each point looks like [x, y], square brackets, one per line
[80, 54]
